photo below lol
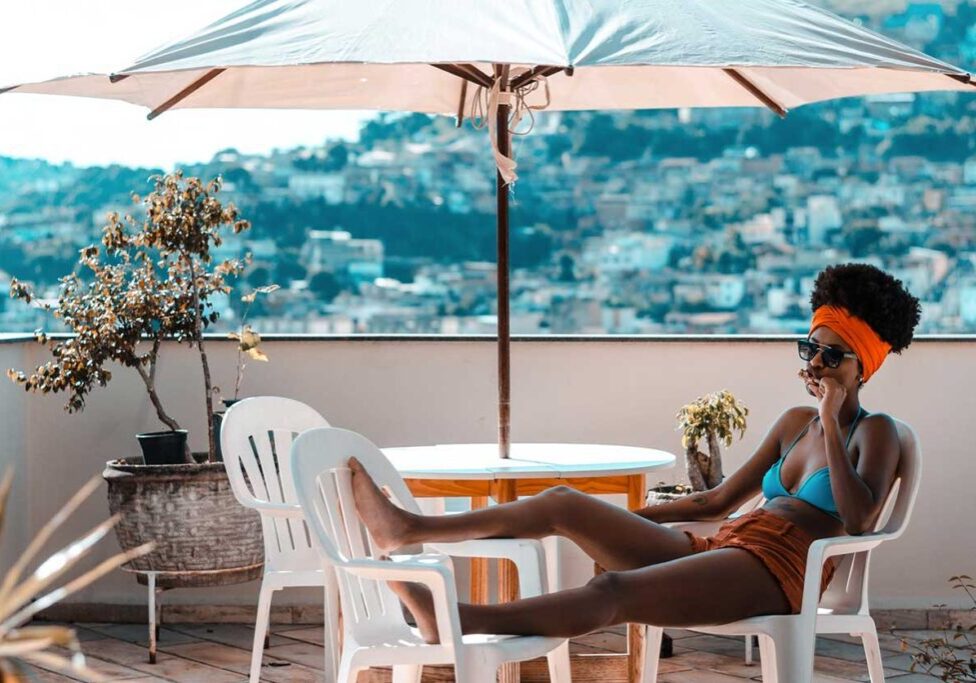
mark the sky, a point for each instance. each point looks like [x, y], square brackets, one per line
[42, 39]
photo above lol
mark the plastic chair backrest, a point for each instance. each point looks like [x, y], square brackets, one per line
[255, 439]
[324, 487]
[848, 592]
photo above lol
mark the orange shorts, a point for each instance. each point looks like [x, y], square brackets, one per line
[778, 543]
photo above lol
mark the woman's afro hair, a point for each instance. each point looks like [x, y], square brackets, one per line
[872, 295]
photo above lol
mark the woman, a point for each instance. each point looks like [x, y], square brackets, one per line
[824, 471]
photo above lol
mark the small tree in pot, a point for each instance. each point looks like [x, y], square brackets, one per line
[148, 282]
[144, 284]
[712, 418]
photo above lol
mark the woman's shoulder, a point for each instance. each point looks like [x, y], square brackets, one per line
[880, 425]
[802, 414]
[792, 420]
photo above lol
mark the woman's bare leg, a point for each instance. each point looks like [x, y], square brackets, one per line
[713, 587]
[616, 538]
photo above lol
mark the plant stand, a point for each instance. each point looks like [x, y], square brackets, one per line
[155, 606]
[154, 613]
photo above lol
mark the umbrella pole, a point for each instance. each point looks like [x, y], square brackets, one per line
[501, 190]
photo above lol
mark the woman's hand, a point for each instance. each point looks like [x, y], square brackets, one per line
[832, 395]
[829, 393]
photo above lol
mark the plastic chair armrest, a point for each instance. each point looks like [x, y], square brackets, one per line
[276, 509]
[527, 554]
[433, 570]
[823, 549]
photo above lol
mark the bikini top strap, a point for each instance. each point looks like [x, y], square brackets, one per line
[797, 439]
[861, 412]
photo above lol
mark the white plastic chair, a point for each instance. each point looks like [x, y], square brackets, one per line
[787, 642]
[707, 528]
[374, 630]
[255, 439]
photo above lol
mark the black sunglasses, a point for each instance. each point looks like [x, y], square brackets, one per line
[832, 358]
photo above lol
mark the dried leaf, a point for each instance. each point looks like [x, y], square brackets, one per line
[257, 354]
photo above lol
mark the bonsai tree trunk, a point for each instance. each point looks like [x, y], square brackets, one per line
[149, 379]
[714, 475]
[696, 463]
[207, 385]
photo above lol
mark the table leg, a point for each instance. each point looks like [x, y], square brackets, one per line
[507, 578]
[636, 492]
[479, 565]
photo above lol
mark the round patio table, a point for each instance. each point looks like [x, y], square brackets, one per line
[475, 471]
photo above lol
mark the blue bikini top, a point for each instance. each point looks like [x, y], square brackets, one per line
[815, 489]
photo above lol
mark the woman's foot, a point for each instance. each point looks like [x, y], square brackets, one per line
[388, 525]
[418, 600]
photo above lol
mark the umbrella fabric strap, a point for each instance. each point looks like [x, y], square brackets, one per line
[486, 115]
[506, 164]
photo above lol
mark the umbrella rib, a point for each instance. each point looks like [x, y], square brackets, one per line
[754, 90]
[467, 72]
[966, 79]
[543, 71]
[3, 90]
[115, 78]
[464, 96]
[185, 92]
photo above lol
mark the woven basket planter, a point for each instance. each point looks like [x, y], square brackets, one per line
[203, 536]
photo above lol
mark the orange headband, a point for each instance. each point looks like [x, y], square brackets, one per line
[871, 350]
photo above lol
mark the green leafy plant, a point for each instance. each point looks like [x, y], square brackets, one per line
[950, 657]
[148, 281]
[713, 417]
[24, 595]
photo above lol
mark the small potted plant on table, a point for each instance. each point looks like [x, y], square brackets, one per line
[148, 282]
[714, 418]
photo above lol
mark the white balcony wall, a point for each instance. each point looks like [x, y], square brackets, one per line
[403, 392]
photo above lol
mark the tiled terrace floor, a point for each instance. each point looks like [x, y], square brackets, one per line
[219, 653]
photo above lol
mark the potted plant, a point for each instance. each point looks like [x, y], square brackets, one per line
[713, 417]
[151, 281]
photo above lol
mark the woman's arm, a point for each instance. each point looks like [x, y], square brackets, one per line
[859, 494]
[737, 488]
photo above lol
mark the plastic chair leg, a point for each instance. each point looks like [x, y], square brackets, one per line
[559, 671]
[407, 673]
[872, 652]
[652, 653]
[331, 627]
[347, 672]
[260, 630]
[792, 655]
[767, 659]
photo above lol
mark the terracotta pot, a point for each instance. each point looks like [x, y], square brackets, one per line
[203, 536]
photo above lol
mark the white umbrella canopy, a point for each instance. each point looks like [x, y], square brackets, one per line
[500, 59]
[335, 54]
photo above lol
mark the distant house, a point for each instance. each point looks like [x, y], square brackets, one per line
[329, 186]
[618, 252]
[336, 251]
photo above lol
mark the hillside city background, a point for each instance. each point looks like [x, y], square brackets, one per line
[709, 221]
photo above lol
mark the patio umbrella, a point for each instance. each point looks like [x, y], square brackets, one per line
[501, 61]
